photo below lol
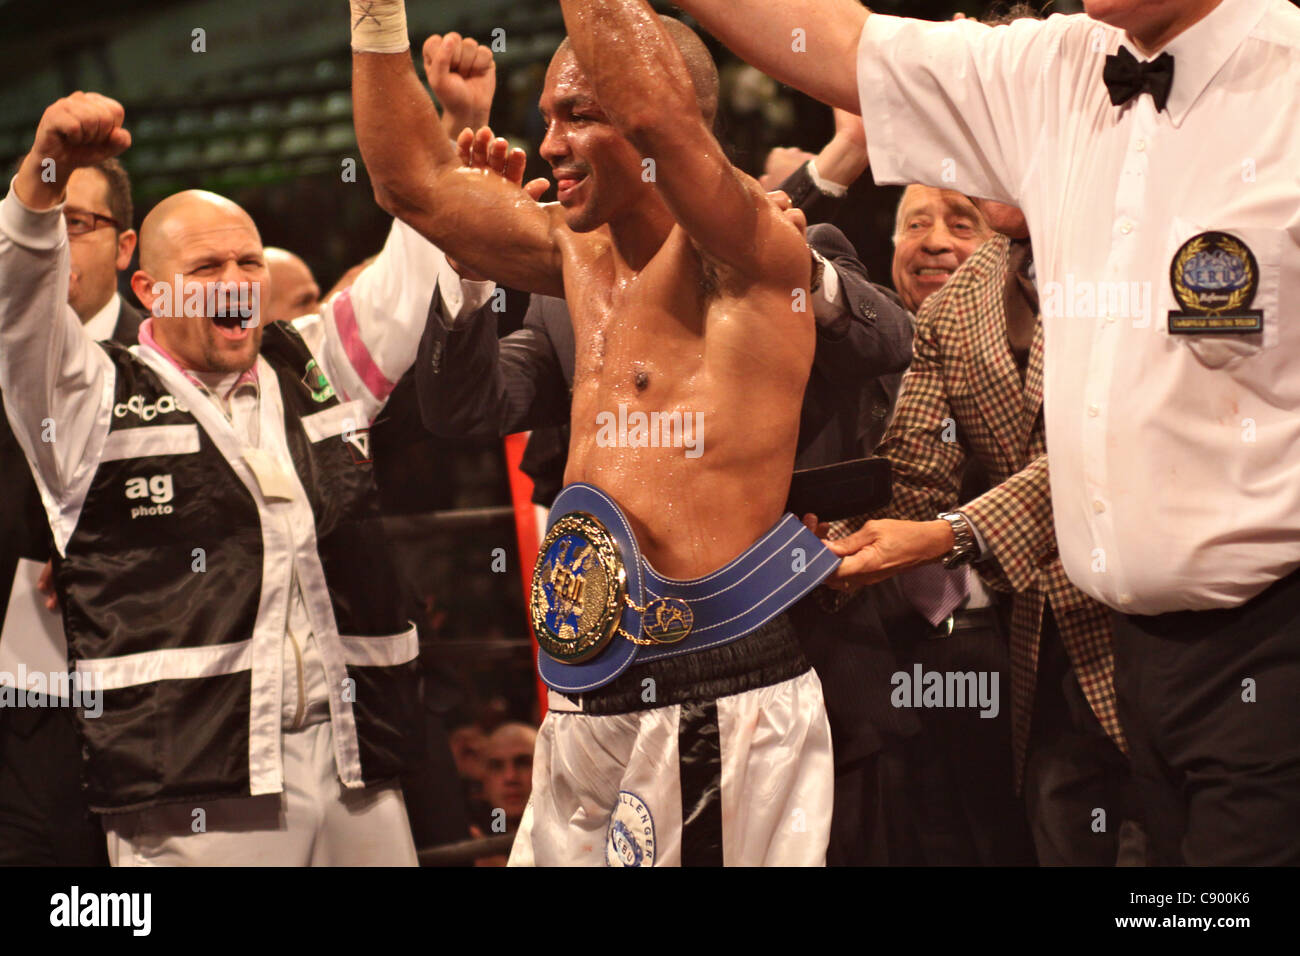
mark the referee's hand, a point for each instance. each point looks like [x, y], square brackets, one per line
[75, 131]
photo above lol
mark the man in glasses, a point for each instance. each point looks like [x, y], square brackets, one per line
[43, 815]
[99, 214]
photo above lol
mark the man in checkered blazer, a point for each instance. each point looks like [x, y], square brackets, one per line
[974, 391]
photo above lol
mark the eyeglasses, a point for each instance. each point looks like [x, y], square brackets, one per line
[80, 223]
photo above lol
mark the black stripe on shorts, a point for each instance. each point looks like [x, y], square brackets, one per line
[700, 754]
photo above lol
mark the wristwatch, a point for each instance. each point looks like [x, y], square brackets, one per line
[963, 540]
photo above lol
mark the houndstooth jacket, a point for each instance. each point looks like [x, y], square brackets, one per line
[963, 396]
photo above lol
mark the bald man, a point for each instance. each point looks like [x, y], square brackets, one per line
[224, 583]
[293, 290]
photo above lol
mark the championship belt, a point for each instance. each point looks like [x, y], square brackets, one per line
[597, 606]
[588, 586]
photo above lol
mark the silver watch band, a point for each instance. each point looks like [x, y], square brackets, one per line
[963, 540]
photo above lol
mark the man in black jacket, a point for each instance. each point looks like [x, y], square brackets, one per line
[43, 815]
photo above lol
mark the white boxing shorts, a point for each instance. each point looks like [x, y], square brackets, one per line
[716, 758]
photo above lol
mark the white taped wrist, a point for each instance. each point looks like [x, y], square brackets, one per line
[379, 26]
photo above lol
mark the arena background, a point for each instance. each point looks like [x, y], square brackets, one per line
[263, 114]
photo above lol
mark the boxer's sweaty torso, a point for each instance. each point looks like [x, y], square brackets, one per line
[702, 363]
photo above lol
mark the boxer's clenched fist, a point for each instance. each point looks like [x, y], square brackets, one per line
[76, 131]
[463, 77]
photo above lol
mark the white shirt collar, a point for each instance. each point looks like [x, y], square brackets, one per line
[1201, 50]
[102, 323]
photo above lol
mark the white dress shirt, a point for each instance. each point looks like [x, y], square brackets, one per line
[101, 325]
[1174, 459]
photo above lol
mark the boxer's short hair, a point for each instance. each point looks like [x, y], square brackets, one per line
[699, 64]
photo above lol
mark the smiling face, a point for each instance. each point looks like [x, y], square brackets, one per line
[597, 171]
[201, 275]
[937, 230]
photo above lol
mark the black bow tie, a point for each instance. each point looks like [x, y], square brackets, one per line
[1126, 78]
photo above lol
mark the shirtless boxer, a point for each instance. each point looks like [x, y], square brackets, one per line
[685, 283]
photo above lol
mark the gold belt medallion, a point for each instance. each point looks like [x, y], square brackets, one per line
[579, 589]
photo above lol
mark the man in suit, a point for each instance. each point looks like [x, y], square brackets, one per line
[974, 392]
[471, 383]
[43, 817]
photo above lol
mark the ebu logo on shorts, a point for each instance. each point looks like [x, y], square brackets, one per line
[631, 833]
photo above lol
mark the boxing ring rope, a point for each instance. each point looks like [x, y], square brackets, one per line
[467, 851]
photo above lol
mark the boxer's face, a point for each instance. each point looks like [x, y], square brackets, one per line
[597, 171]
[937, 230]
[98, 255]
[212, 263]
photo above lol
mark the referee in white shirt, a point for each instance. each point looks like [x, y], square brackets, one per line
[1153, 149]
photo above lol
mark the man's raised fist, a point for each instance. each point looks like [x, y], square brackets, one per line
[75, 131]
[463, 77]
[80, 130]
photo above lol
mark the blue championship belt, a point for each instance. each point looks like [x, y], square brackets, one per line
[597, 606]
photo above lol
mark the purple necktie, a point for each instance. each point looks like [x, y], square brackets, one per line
[934, 590]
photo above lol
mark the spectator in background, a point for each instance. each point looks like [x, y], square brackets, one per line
[292, 288]
[507, 784]
[935, 231]
[508, 777]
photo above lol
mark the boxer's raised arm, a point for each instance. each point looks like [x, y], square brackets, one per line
[643, 86]
[484, 222]
[810, 44]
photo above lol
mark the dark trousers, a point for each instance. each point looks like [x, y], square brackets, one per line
[960, 785]
[43, 816]
[1210, 701]
[871, 824]
[1073, 769]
